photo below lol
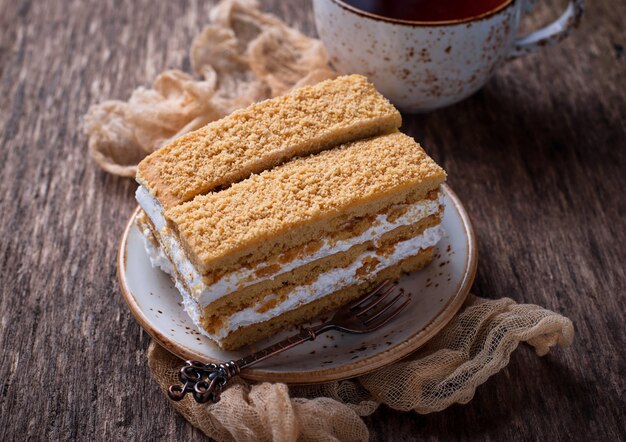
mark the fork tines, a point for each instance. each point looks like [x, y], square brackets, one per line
[373, 294]
[378, 308]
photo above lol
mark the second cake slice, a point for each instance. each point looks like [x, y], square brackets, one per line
[265, 134]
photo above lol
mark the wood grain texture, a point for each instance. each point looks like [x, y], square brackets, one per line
[538, 157]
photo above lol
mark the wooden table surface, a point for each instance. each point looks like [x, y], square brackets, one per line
[538, 157]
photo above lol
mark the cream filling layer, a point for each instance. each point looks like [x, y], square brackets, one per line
[159, 259]
[155, 254]
[325, 284]
[205, 294]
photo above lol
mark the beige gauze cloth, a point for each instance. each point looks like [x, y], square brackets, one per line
[242, 57]
[475, 344]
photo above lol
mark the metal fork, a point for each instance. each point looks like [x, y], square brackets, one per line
[373, 310]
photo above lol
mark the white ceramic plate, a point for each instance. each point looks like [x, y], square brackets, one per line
[437, 291]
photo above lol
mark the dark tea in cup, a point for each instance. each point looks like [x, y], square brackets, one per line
[427, 10]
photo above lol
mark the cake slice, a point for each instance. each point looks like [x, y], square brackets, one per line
[305, 237]
[273, 246]
[264, 134]
[272, 212]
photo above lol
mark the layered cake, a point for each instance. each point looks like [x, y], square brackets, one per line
[289, 208]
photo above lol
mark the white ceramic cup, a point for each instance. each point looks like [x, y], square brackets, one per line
[421, 66]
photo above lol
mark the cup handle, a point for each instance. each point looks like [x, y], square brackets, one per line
[552, 33]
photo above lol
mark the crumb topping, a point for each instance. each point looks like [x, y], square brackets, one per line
[264, 134]
[303, 190]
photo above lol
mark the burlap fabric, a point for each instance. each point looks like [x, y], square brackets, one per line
[476, 344]
[244, 56]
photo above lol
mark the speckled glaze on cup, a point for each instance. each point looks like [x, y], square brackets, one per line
[421, 66]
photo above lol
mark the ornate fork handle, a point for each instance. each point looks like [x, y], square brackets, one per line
[207, 381]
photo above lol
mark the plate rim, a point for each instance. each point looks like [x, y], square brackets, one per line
[356, 368]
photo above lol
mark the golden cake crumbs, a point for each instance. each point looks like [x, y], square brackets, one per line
[236, 221]
[263, 135]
